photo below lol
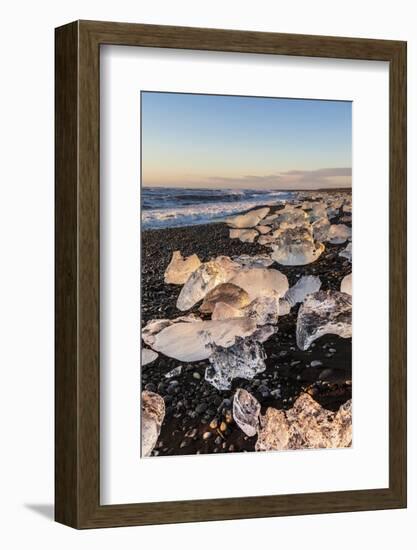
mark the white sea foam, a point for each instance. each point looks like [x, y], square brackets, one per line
[202, 209]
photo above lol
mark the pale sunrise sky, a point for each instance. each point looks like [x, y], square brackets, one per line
[191, 140]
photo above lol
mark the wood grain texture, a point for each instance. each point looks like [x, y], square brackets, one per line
[66, 237]
[78, 284]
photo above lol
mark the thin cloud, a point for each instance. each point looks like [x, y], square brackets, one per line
[292, 179]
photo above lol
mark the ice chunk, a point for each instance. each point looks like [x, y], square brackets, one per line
[246, 411]
[174, 372]
[307, 425]
[339, 233]
[234, 233]
[324, 312]
[321, 229]
[266, 240]
[153, 413]
[307, 284]
[263, 229]
[179, 268]
[156, 325]
[264, 310]
[296, 246]
[223, 311]
[259, 260]
[315, 210]
[227, 293]
[332, 212]
[244, 235]
[204, 279]
[148, 356]
[290, 214]
[189, 341]
[248, 235]
[245, 359]
[274, 431]
[284, 307]
[250, 219]
[346, 284]
[347, 252]
[262, 334]
[261, 281]
[268, 219]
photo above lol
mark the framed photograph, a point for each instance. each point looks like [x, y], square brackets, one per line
[230, 274]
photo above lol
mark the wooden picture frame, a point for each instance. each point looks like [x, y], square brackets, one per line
[77, 404]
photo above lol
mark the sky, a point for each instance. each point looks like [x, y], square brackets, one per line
[214, 141]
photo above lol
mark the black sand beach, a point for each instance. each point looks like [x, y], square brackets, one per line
[198, 416]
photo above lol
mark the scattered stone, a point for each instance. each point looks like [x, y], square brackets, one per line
[316, 363]
[284, 307]
[179, 268]
[206, 435]
[201, 408]
[192, 433]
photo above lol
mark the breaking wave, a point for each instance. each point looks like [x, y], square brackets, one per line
[174, 207]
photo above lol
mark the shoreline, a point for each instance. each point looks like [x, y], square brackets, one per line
[231, 211]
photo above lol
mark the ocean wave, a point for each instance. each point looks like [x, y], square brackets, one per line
[199, 213]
